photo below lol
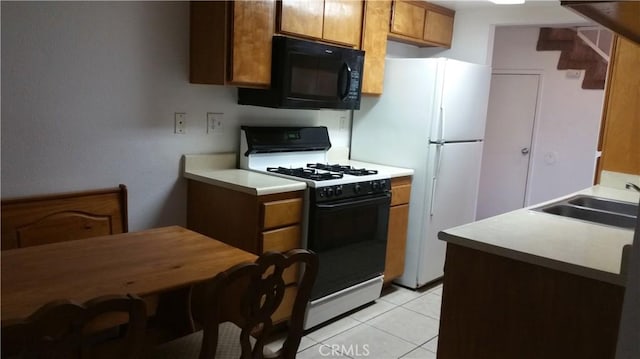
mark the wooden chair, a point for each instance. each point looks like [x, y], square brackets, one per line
[66, 330]
[37, 220]
[235, 309]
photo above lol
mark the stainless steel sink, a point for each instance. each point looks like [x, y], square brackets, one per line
[605, 205]
[594, 209]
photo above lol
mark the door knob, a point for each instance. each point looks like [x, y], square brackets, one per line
[524, 151]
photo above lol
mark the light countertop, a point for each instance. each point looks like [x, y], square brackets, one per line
[218, 170]
[391, 171]
[566, 244]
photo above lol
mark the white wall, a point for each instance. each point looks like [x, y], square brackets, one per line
[568, 118]
[89, 90]
[474, 27]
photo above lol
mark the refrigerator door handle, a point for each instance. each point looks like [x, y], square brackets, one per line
[439, 140]
[434, 180]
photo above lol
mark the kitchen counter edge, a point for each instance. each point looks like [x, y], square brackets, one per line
[568, 245]
[246, 181]
[389, 170]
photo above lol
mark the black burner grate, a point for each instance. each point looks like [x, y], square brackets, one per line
[349, 170]
[306, 173]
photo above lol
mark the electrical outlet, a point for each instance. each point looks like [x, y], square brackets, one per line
[180, 123]
[573, 74]
[215, 122]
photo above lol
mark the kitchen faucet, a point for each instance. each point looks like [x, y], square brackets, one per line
[630, 185]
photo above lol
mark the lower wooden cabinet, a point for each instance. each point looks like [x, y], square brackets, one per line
[397, 232]
[254, 223]
[244, 220]
[500, 308]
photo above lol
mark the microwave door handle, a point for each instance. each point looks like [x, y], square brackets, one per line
[342, 94]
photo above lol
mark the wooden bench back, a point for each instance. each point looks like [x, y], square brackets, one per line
[37, 220]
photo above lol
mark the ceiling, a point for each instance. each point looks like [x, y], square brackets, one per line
[474, 4]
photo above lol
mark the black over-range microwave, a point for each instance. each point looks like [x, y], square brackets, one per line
[309, 75]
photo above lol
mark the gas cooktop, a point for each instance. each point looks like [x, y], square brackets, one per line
[306, 173]
[349, 170]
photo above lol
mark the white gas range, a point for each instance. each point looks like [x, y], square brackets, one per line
[346, 214]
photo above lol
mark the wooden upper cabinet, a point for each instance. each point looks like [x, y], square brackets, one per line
[302, 17]
[342, 22]
[408, 19]
[422, 24]
[253, 29]
[335, 21]
[374, 43]
[621, 142]
[230, 42]
[438, 28]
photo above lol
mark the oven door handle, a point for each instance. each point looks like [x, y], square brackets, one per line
[384, 198]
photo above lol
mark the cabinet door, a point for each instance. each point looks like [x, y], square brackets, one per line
[253, 28]
[343, 21]
[621, 143]
[302, 17]
[396, 242]
[408, 19]
[438, 28]
[374, 43]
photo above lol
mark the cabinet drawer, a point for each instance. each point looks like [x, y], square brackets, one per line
[281, 213]
[282, 240]
[400, 194]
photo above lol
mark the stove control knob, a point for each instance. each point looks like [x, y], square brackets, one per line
[329, 192]
[321, 192]
[357, 188]
[375, 185]
[383, 184]
[338, 190]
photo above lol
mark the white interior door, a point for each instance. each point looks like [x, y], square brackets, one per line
[507, 148]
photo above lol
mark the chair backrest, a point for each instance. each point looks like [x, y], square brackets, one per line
[36, 220]
[63, 330]
[248, 295]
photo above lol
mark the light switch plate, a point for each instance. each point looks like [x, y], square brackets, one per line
[215, 122]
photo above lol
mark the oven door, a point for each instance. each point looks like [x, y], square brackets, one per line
[350, 238]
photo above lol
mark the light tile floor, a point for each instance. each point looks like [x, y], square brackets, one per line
[401, 324]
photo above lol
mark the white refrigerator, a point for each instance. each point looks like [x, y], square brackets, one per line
[431, 118]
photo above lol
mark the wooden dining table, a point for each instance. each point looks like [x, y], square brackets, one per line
[146, 263]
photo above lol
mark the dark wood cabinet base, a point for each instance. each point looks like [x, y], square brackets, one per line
[495, 307]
